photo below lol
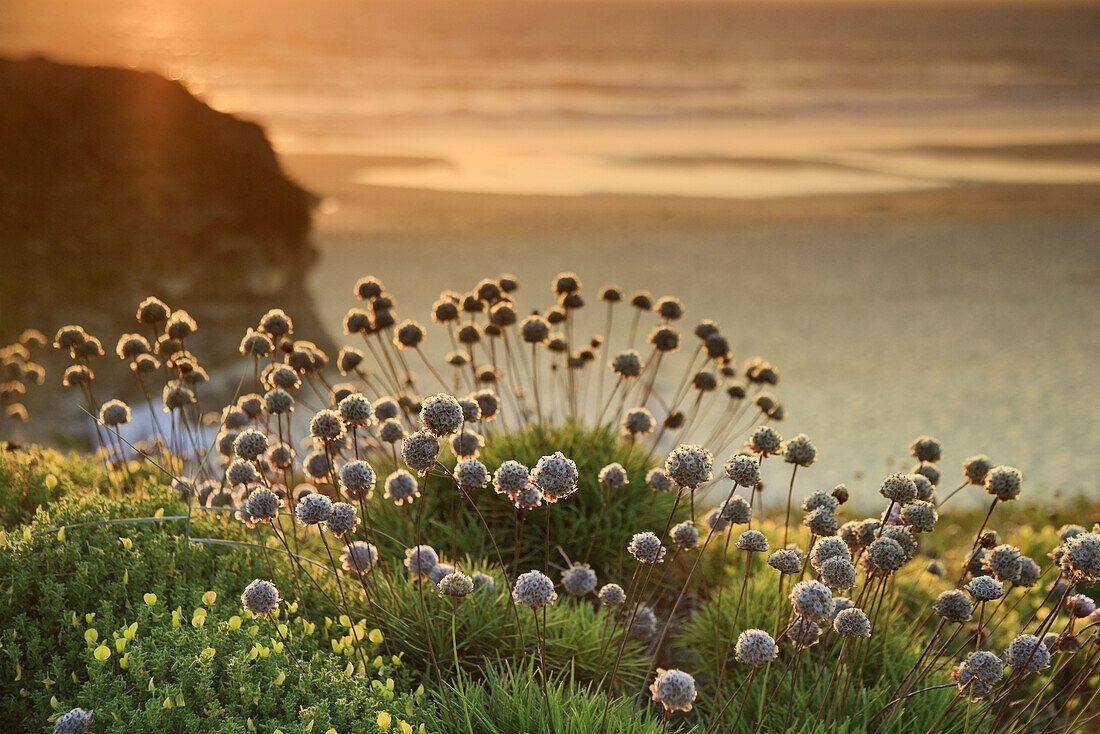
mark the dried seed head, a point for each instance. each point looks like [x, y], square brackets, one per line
[812, 600]
[744, 470]
[898, 488]
[1003, 482]
[1027, 652]
[313, 509]
[612, 595]
[664, 339]
[471, 474]
[241, 472]
[638, 421]
[755, 647]
[821, 522]
[528, 499]
[260, 598]
[786, 561]
[1082, 555]
[685, 536]
[838, 573]
[736, 511]
[326, 426]
[803, 633]
[852, 622]
[924, 487]
[263, 505]
[920, 516]
[578, 580]
[456, 584]
[534, 590]
[800, 450]
[985, 588]
[250, 444]
[884, 556]
[114, 413]
[658, 480]
[765, 441]
[752, 541]
[646, 548]
[673, 689]
[419, 451]
[627, 364]
[826, 548]
[359, 556]
[643, 622]
[1003, 563]
[613, 476]
[342, 519]
[926, 449]
[689, 466]
[556, 476]
[441, 414]
[421, 560]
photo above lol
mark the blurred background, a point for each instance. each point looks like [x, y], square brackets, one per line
[896, 201]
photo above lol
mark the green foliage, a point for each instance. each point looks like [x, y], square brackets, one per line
[510, 699]
[577, 523]
[34, 477]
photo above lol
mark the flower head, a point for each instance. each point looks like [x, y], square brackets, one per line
[578, 580]
[689, 466]
[359, 556]
[611, 595]
[852, 622]
[673, 689]
[812, 600]
[755, 647]
[260, 598]
[556, 475]
[534, 590]
[646, 548]
[421, 560]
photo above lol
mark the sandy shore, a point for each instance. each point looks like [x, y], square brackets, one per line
[967, 313]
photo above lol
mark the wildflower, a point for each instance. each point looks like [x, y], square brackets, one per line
[898, 488]
[826, 548]
[926, 449]
[177, 396]
[643, 622]
[556, 476]
[852, 622]
[1003, 482]
[317, 466]
[241, 472]
[755, 647]
[658, 480]
[359, 556]
[488, 403]
[611, 595]
[744, 470]
[391, 431]
[838, 573]
[840, 603]
[419, 451]
[985, 588]
[920, 516]
[785, 561]
[969, 682]
[1027, 652]
[534, 330]
[342, 519]
[439, 572]
[673, 689]
[510, 478]
[456, 584]
[689, 466]
[925, 489]
[975, 468]
[1003, 563]
[803, 633]
[883, 557]
[1070, 531]
[685, 536]
[471, 474]
[278, 401]
[753, 541]
[528, 499]
[716, 522]
[578, 579]
[821, 522]
[114, 413]
[76, 721]
[152, 310]
[263, 505]
[1080, 606]
[638, 421]
[816, 500]
[1029, 573]
[954, 606]
[765, 441]
[250, 444]
[613, 476]
[313, 509]
[646, 548]
[355, 410]
[627, 364]
[326, 426]
[275, 323]
[483, 581]
[260, 598]
[421, 560]
[534, 590]
[812, 600]
[664, 339]
[401, 487]
[904, 537]
[441, 414]
[929, 472]
[1082, 555]
[800, 450]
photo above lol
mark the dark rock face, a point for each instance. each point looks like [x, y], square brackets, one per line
[117, 184]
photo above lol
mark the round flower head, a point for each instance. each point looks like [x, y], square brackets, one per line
[800, 450]
[1069, 531]
[716, 522]
[342, 519]
[556, 476]
[838, 573]
[1027, 652]
[1080, 606]
[658, 481]
[929, 472]
[441, 414]
[755, 647]
[817, 500]
[510, 478]
[528, 499]
[152, 311]
[744, 470]
[812, 600]
[177, 396]
[262, 505]
[534, 590]
[441, 569]
[883, 557]
[898, 488]
[753, 541]
[276, 323]
[578, 580]
[76, 721]
[326, 426]
[419, 451]
[638, 421]
[471, 474]
[421, 560]
[926, 449]
[278, 401]
[664, 339]
[970, 683]
[534, 330]
[646, 548]
[241, 472]
[975, 468]
[840, 603]
[643, 622]
[765, 441]
[852, 622]
[626, 364]
[114, 413]
[736, 511]
[456, 584]
[821, 522]
[786, 561]
[408, 334]
[359, 556]
[487, 402]
[613, 476]
[689, 466]
[868, 531]
[920, 516]
[673, 689]
[385, 409]
[1003, 562]
[986, 666]
[317, 466]
[826, 548]
[250, 444]
[925, 488]
[1029, 573]
[355, 410]
[954, 606]
[685, 536]
[611, 595]
[803, 633]
[471, 411]
[985, 588]
[391, 431]
[260, 598]
[483, 581]
[313, 509]
[358, 478]
[1082, 556]
[401, 487]
[1003, 482]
